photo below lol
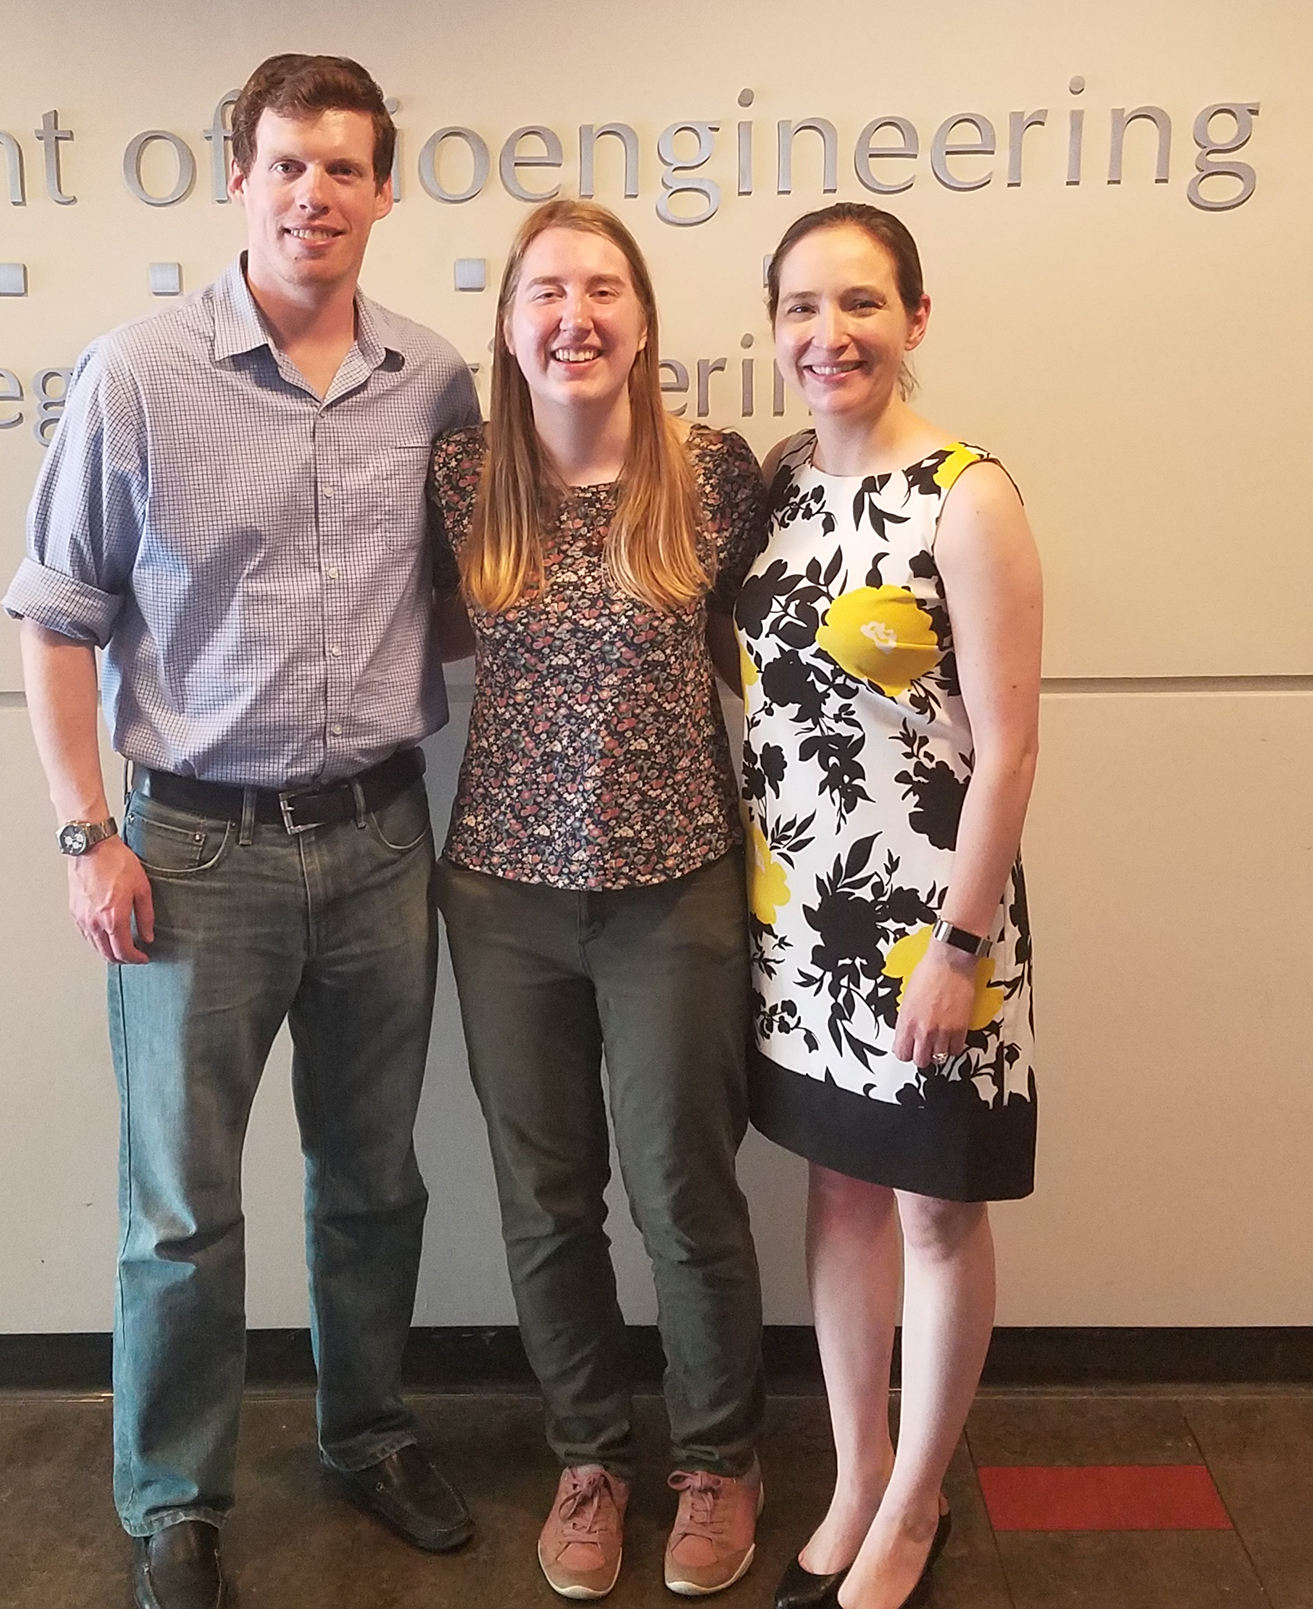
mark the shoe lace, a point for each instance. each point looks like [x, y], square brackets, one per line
[704, 1515]
[581, 1508]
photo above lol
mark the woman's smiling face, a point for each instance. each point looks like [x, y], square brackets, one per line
[841, 330]
[575, 324]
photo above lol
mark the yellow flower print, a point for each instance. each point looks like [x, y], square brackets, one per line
[902, 960]
[768, 887]
[882, 635]
[747, 669]
[958, 459]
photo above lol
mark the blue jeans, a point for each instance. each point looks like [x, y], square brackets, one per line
[333, 930]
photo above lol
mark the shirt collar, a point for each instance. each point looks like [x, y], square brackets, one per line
[238, 326]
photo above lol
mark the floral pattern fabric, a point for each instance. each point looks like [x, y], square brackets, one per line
[857, 757]
[597, 754]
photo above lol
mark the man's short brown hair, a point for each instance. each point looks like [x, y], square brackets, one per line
[293, 85]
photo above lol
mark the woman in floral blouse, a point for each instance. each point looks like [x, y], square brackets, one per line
[592, 882]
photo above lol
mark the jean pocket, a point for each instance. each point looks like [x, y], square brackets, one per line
[404, 823]
[177, 848]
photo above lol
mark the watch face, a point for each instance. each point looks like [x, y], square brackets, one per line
[74, 839]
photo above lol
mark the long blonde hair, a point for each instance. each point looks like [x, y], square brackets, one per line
[651, 549]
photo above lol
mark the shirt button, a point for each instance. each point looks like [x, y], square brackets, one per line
[328, 491]
[332, 574]
[336, 652]
[337, 731]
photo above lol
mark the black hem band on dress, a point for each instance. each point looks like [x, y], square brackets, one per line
[952, 1147]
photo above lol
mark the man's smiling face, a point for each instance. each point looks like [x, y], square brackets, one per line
[310, 198]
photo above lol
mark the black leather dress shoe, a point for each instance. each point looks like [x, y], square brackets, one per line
[800, 1589]
[178, 1568]
[406, 1492]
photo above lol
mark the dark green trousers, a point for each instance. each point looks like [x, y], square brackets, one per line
[655, 980]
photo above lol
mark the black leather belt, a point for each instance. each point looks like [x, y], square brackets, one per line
[297, 809]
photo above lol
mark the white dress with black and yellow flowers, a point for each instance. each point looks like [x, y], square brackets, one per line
[857, 755]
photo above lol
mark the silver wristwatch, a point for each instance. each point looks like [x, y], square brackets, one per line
[960, 939]
[77, 837]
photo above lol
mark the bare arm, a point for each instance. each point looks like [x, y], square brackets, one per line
[107, 886]
[991, 576]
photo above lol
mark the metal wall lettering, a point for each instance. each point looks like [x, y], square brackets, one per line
[1243, 113]
[51, 137]
[588, 138]
[186, 175]
[219, 135]
[865, 152]
[512, 159]
[14, 167]
[50, 404]
[784, 143]
[884, 144]
[1018, 123]
[746, 98]
[428, 164]
[678, 384]
[1121, 119]
[984, 144]
[11, 390]
[706, 368]
[673, 182]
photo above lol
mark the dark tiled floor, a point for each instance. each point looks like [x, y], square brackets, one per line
[293, 1544]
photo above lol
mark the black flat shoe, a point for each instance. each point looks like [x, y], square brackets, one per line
[800, 1589]
[412, 1497]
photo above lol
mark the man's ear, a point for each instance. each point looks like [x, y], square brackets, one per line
[384, 201]
[236, 181]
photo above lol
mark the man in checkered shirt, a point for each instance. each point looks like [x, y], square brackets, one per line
[232, 508]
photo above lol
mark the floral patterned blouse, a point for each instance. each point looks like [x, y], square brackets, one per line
[597, 755]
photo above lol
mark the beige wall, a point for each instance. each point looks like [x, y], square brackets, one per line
[1140, 364]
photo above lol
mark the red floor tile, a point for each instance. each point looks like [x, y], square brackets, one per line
[1103, 1497]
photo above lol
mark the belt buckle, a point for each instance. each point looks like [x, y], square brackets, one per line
[286, 804]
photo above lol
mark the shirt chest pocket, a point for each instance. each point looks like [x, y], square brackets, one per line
[384, 494]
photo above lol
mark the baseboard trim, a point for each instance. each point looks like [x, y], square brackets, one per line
[492, 1359]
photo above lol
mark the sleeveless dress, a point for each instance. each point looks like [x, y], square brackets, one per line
[857, 755]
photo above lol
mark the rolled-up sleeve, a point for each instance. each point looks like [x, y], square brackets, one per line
[85, 520]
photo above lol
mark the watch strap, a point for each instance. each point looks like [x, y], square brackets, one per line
[77, 837]
[960, 938]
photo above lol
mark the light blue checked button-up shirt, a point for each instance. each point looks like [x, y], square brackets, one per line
[253, 560]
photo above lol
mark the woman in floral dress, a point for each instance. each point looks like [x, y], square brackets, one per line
[593, 887]
[890, 634]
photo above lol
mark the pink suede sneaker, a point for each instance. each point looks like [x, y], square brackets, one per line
[714, 1535]
[579, 1547]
